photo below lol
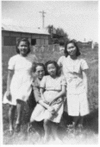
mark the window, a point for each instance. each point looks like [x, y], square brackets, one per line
[9, 41]
[38, 41]
[42, 41]
[46, 42]
[33, 41]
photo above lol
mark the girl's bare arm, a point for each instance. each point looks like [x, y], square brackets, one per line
[9, 77]
[43, 103]
[60, 94]
[85, 79]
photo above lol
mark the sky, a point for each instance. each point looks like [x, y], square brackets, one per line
[79, 19]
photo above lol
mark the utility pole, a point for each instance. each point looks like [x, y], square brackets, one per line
[43, 18]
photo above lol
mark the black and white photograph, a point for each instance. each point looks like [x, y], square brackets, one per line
[49, 62]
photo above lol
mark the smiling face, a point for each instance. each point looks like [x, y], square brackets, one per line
[40, 72]
[51, 70]
[23, 48]
[71, 49]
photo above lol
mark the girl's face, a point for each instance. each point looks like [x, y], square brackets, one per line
[40, 72]
[23, 48]
[51, 70]
[71, 48]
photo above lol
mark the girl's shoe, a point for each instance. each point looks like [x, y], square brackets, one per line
[71, 127]
[17, 128]
[80, 127]
[46, 139]
[11, 132]
[29, 129]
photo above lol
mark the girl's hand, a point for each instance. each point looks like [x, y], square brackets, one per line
[8, 95]
[52, 102]
[51, 109]
[32, 84]
[45, 101]
[56, 101]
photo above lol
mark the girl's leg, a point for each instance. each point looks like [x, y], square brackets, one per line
[75, 121]
[11, 115]
[47, 129]
[30, 126]
[54, 128]
[19, 114]
[80, 125]
[29, 129]
[31, 121]
[81, 120]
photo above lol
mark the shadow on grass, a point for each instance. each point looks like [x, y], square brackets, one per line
[90, 122]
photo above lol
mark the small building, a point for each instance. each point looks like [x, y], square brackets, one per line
[10, 34]
[85, 44]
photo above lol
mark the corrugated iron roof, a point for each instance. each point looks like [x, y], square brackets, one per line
[24, 29]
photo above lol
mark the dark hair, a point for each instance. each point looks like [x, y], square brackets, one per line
[40, 64]
[77, 48]
[55, 64]
[18, 42]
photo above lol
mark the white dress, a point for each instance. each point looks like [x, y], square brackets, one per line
[77, 102]
[52, 87]
[20, 86]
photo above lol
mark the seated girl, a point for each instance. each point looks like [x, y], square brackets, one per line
[50, 107]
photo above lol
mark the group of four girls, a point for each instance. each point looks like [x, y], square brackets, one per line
[52, 84]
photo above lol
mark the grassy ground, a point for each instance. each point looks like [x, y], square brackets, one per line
[89, 134]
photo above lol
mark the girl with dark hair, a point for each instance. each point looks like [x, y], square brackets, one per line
[19, 80]
[76, 46]
[18, 42]
[56, 65]
[40, 72]
[51, 105]
[75, 72]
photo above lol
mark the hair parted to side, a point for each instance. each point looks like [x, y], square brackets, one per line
[40, 64]
[18, 42]
[55, 64]
[77, 48]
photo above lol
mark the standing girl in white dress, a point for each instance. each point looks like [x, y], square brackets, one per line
[19, 80]
[75, 72]
[51, 106]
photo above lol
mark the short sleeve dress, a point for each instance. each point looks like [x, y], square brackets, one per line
[77, 102]
[52, 88]
[20, 86]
